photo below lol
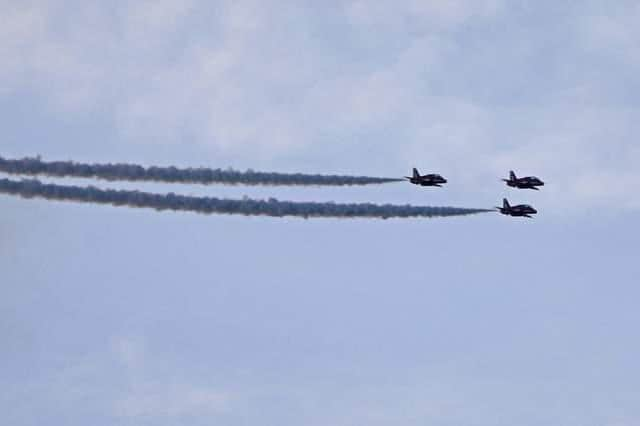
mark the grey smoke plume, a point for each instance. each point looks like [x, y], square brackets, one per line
[132, 172]
[248, 207]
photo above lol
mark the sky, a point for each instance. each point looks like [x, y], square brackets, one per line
[115, 316]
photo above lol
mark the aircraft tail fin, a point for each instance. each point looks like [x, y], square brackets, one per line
[512, 175]
[505, 203]
[416, 174]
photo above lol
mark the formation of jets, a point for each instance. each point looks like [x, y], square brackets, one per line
[521, 210]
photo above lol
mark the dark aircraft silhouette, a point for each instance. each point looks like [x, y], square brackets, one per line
[522, 210]
[426, 180]
[529, 182]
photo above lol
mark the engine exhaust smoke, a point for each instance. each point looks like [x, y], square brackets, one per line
[207, 205]
[133, 172]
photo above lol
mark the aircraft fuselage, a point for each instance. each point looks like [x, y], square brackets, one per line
[426, 180]
[521, 210]
[525, 183]
[529, 182]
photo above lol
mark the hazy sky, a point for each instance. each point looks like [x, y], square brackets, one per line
[131, 317]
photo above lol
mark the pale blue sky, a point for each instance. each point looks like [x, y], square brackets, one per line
[132, 317]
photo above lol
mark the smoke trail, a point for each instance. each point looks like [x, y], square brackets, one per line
[132, 172]
[206, 205]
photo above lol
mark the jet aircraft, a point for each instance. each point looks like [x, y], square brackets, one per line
[426, 180]
[529, 182]
[522, 210]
